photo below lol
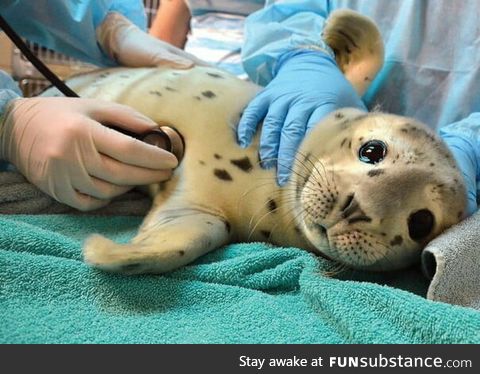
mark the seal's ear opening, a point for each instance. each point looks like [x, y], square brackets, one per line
[357, 44]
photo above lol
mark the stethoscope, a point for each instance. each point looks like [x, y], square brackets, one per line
[164, 137]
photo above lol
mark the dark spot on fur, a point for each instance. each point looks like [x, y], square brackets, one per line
[209, 94]
[227, 226]
[404, 130]
[175, 73]
[339, 115]
[366, 79]
[198, 98]
[297, 230]
[343, 142]
[217, 156]
[397, 240]
[266, 233]
[158, 93]
[243, 164]
[459, 214]
[209, 223]
[103, 75]
[213, 75]
[350, 144]
[170, 89]
[222, 174]
[201, 162]
[181, 253]
[272, 205]
[383, 233]
[375, 172]
[432, 164]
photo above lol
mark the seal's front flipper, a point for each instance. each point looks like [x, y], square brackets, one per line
[172, 237]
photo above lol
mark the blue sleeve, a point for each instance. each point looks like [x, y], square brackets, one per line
[281, 26]
[463, 138]
[8, 91]
[69, 26]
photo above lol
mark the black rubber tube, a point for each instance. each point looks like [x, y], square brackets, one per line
[41, 67]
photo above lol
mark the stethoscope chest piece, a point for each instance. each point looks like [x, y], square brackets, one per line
[166, 138]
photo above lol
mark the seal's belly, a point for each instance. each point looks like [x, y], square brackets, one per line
[204, 105]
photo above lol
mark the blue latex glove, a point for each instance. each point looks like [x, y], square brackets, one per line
[463, 139]
[307, 86]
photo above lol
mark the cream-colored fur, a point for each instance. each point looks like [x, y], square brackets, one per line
[354, 212]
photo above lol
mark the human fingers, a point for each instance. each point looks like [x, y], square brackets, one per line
[292, 135]
[67, 194]
[118, 173]
[175, 52]
[121, 116]
[271, 132]
[251, 117]
[129, 150]
[98, 188]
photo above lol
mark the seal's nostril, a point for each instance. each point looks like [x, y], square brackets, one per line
[350, 206]
[352, 212]
[347, 202]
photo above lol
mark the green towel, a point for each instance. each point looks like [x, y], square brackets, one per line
[243, 293]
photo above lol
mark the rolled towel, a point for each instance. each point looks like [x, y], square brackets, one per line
[452, 262]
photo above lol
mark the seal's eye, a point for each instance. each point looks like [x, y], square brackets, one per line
[420, 224]
[372, 152]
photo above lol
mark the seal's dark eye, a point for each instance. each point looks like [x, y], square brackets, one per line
[372, 152]
[420, 224]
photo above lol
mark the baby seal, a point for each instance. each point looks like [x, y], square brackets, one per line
[368, 190]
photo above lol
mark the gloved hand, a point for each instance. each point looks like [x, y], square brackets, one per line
[60, 145]
[462, 138]
[125, 43]
[308, 85]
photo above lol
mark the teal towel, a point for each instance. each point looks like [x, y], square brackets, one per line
[243, 293]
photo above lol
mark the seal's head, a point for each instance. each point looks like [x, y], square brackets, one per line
[377, 191]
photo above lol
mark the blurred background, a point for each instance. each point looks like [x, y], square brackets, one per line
[30, 80]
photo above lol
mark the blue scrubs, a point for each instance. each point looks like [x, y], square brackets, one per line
[69, 26]
[432, 59]
[64, 26]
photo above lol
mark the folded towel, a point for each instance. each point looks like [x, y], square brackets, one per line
[452, 262]
[243, 293]
[18, 196]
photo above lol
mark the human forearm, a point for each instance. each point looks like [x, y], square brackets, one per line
[172, 22]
